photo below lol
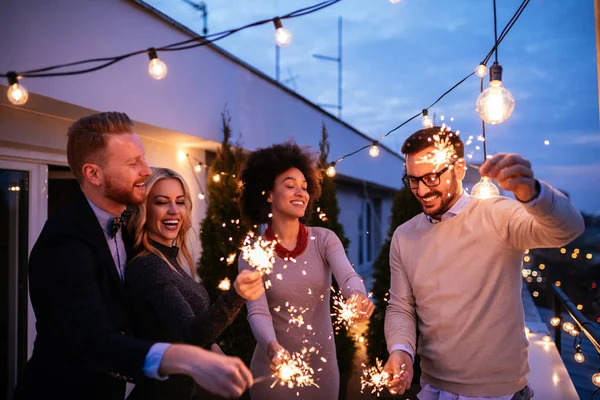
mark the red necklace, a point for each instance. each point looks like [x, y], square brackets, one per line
[301, 242]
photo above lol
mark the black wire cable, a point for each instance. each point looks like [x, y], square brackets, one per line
[495, 29]
[184, 45]
[503, 34]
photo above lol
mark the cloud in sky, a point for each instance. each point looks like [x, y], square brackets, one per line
[398, 58]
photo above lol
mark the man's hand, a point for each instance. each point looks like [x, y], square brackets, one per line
[513, 173]
[364, 306]
[221, 375]
[249, 285]
[400, 368]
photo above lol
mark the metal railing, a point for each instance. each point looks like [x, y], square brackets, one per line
[561, 300]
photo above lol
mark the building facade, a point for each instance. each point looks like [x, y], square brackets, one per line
[180, 114]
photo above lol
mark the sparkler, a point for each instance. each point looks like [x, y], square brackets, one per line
[294, 371]
[443, 152]
[345, 313]
[259, 253]
[375, 378]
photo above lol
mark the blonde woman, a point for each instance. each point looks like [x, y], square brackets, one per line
[166, 303]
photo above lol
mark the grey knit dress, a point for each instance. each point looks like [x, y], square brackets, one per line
[305, 285]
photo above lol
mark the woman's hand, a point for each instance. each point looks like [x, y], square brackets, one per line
[249, 285]
[277, 354]
[364, 306]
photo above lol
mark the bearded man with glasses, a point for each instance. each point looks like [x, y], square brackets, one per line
[456, 272]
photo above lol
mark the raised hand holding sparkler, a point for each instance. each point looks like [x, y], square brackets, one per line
[357, 308]
[362, 304]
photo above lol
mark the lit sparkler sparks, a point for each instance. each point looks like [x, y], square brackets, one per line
[443, 152]
[259, 253]
[375, 378]
[294, 371]
[345, 313]
[225, 284]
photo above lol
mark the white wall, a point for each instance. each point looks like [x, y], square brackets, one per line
[46, 134]
[189, 100]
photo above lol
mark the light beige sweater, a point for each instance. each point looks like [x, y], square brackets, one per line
[462, 278]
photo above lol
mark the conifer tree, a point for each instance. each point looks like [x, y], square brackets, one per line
[326, 214]
[404, 207]
[222, 234]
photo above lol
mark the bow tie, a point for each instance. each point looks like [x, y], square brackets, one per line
[119, 222]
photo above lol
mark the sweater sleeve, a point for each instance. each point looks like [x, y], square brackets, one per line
[259, 316]
[162, 293]
[345, 275]
[400, 316]
[551, 221]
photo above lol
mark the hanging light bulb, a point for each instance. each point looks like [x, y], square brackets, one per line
[579, 357]
[596, 379]
[426, 120]
[567, 326]
[216, 178]
[555, 321]
[484, 189]
[495, 104]
[374, 150]
[198, 168]
[547, 338]
[331, 170]
[17, 94]
[201, 196]
[283, 37]
[481, 70]
[156, 68]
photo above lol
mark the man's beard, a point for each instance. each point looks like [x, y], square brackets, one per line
[122, 194]
[447, 201]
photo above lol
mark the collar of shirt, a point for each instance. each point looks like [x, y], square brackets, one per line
[105, 218]
[460, 204]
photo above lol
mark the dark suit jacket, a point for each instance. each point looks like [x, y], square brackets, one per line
[83, 347]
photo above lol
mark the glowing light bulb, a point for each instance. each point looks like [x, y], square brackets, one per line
[547, 338]
[426, 121]
[16, 93]
[282, 36]
[394, 1]
[374, 150]
[331, 170]
[574, 332]
[596, 379]
[198, 168]
[481, 70]
[567, 326]
[485, 189]
[216, 178]
[555, 321]
[579, 357]
[201, 196]
[495, 104]
[156, 68]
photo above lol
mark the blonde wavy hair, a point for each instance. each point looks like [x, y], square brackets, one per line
[137, 223]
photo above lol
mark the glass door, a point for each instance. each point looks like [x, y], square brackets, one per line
[22, 212]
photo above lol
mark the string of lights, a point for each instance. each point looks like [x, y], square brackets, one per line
[490, 96]
[197, 168]
[18, 95]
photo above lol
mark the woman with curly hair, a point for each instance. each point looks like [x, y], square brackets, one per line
[166, 302]
[278, 185]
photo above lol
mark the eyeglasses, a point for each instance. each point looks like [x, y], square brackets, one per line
[430, 180]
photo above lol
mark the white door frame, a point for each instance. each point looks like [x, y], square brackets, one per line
[37, 214]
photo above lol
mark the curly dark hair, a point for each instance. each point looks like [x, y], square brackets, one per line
[258, 178]
[422, 139]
